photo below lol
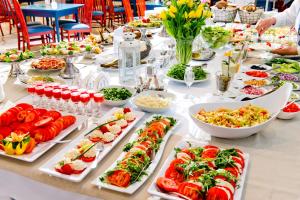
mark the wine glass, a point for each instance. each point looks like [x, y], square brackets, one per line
[189, 76]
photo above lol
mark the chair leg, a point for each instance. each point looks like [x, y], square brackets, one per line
[69, 37]
[19, 40]
[43, 39]
[1, 30]
[53, 37]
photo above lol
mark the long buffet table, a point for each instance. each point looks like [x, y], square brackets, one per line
[274, 153]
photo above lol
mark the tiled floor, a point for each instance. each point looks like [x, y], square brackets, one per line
[8, 41]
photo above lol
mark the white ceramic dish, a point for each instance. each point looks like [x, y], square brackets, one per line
[133, 187]
[264, 47]
[153, 189]
[196, 81]
[287, 115]
[279, 98]
[48, 167]
[162, 94]
[120, 102]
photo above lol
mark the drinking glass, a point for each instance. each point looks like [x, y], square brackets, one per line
[66, 96]
[40, 92]
[84, 98]
[57, 97]
[223, 82]
[189, 76]
[31, 91]
[98, 99]
[75, 97]
[49, 95]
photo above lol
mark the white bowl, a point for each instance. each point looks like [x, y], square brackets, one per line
[155, 93]
[272, 102]
[288, 115]
[120, 102]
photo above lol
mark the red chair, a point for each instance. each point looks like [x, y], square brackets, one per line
[30, 33]
[6, 16]
[115, 13]
[85, 24]
[128, 10]
[99, 12]
[141, 8]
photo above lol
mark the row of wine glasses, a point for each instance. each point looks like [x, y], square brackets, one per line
[66, 98]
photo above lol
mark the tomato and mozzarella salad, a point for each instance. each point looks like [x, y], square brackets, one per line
[113, 127]
[23, 125]
[75, 161]
[207, 172]
[139, 153]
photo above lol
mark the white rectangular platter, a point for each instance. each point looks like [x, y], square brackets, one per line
[42, 148]
[154, 190]
[48, 167]
[133, 187]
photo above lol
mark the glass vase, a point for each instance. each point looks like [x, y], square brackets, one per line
[184, 49]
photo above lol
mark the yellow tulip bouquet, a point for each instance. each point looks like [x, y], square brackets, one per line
[184, 20]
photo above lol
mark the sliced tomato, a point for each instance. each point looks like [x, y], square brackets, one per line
[187, 151]
[176, 164]
[43, 122]
[217, 193]
[175, 175]
[120, 178]
[190, 190]
[31, 116]
[210, 147]
[65, 169]
[166, 184]
[22, 115]
[53, 113]
[59, 124]
[233, 171]
[126, 110]
[4, 119]
[40, 111]
[25, 127]
[239, 161]
[5, 131]
[104, 129]
[68, 120]
[24, 106]
[210, 153]
[86, 159]
[14, 125]
[40, 135]
[78, 171]
[95, 139]
[196, 174]
[30, 146]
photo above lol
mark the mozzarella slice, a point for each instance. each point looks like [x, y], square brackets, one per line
[183, 156]
[221, 182]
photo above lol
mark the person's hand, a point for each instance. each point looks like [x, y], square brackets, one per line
[286, 51]
[264, 24]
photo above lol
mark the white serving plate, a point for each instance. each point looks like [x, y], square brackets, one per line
[264, 47]
[155, 93]
[155, 191]
[48, 167]
[132, 188]
[196, 81]
[42, 148]
[120, 102]
[273, 102]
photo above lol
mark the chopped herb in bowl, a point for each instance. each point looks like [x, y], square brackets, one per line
[116, 94]
[177, 72]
